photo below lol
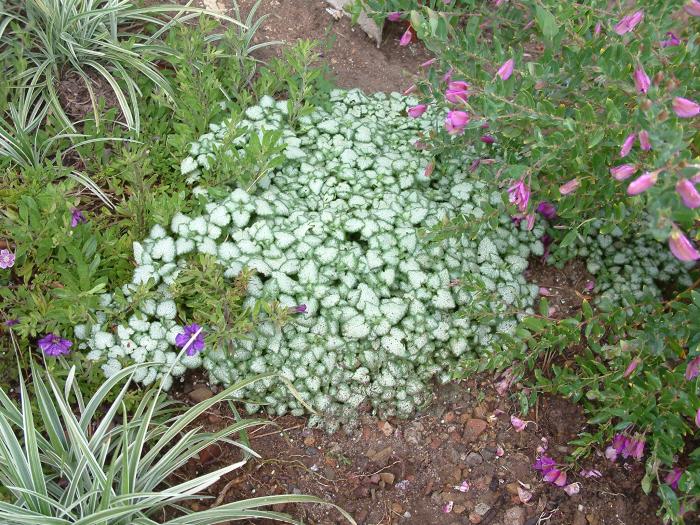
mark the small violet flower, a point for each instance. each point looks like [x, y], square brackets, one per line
[456, 121]
[506, 70]
[406, 38]
[627, 145]
[7, 259]
[11, 322]
[642, 183]
[299, 309]
[644, 140]
[550, 473]
[193, 333]
[519, 194]
[689, 194]
[673, 477]
[672, 40]
[681, 247]
[448, 76]
[457, 91]
[629, 22]
[685, 108]
[547, 210]
[692, 8]
[77, 217]
[569, 187]
[394, 16]
[417, 111]
[641, 80]
[618, 444]
[487, 139]
[54, 346]
[623, 171]
[693, 369]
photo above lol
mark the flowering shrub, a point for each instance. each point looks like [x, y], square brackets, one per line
[587, 115]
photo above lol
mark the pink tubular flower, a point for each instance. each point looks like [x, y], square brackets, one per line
[417, 111]
[697, 418]
[642, 183]
[627, 145]
[428, 63]
[597, 28]
[406, 38]
[641, 80]
[569, 187]
[394, 17]
[448, 76]
[456, 121]
[457, 91]
[689, 195]
[632, 367]
[685, 108]
[673, 477]
[7, 259]
[629, 22]
[693, 368]
[681, 247]
[672, 40]
[623, 171]
[487, 139]
[410, 89]
[547, 210]
[506, 70]
[644, 140]
[692, 8]
[519, 194]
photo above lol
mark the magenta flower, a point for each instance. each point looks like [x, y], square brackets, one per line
[632, 367]
[192, 338]
[685, 108]
[569, 187]
[644, 140]
[627, 145]
[456, 121]
[7, 259]
[619, 443]
[629, 22]
[406, 38]
[457, 91]
[633, 448]
[673, 477]
[448, 76]
[689, 194]
[597, 28]
[642, 183]
[519, 194]
[672, 40]
[299, 309]
[693, 368]
[487, 139]
[547, 210]
[641, 80]
[692, 8]
[550, 472]
[623, 171]
[506, 70]
[417, 111]
[53, 345]
[681, 247]
[697, 418]
[394, 16]
[77, 217]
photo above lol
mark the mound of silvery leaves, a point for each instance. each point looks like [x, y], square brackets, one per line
[338, 228]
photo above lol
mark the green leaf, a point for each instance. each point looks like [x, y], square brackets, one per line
[546, 22]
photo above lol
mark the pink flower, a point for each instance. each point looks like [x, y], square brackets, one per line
[681, 247]
[456, 121]
[506, 70]
[428, 171]
[629, 22]
[406, 38]
[7, 259]
[487, 139]
[685, 108]
[693, 368]
[598, 27]
[462, 487]
[394, 17]
[417, 111]
[623, 171]
[519, 194]
[428, 63]
[524, 495]
[692, 8]
[673, 477]
[697, 418]
[642, 183]
[641, 80]
[457, 91]
[627, 144]
[448, 76]
[410, 89]
[506, 380]
[569, 187]
[644, 140]
[672, 41]
[689, 195]
[632, 366]
[518, 424]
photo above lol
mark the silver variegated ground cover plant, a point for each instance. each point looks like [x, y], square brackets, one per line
[338, 229]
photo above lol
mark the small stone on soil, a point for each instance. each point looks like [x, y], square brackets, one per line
[201, 393]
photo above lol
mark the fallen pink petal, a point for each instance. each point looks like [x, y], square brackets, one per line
[447, 508]
[524, 495]
[406, 37]
[518, 424]
[573, 488]
[591, 473]
[463, 487]
[644, 141]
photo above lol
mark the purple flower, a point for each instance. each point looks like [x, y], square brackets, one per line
[693, 368]
[672, 41]
[394, 16]
[474, 165]
[623, 171]
[673, 477]
[7, 259]
[681, 247]
[54, 345]
[417, 111]
[544, 464]
[632, 367]
[627, 145]
[406, 38]
[642, 183]
[685, 108]
[569, 187]
[556, 477]
[11, 322]
[641, 80]
[619, 443]
[487, 139]
[633, 448]
[76, 217]
[192, 338]
[506, 70]
[547, 210]
[299, 309]
[456, 121]
[644, 140]
[519, 194]
[692, 8]
[591, 473]
[457, 91]
[629, 22]
[689, 195]
[590, 284]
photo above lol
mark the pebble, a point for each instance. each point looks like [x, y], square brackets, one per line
[387, 477]
[579, 518]
[482, 508]
[473, 459]
[309, 441]
[514, 516]
[201, 393]
[397, 508]
[473, 429]
[474, 518]
[386, 428]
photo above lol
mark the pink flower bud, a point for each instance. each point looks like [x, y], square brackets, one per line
[641, 80]
[697, 418]
[685, 108]
[457, 91]
[487, 139]
[410, 89]
[428, 63]
[428, 171]
[456, 121]
[596, 30]
[642, 183]
[623, 171]
[394, 17]
[506, 70]
[406, 38]
[632, 367]
[681, 247]
[689, 195]
[627, 145]
[693, 369]
[629, 22]
[644, 140]
[569, 187]
[417, 111]
[530, 221]
[448, 76]
[692, 8]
